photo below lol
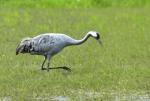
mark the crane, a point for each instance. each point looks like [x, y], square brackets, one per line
[49, 44]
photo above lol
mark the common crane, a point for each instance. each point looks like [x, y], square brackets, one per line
[50, 44]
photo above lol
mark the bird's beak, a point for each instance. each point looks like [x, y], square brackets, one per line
[100, 42]
[19, 49]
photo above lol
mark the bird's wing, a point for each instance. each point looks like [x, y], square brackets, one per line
[43, 43]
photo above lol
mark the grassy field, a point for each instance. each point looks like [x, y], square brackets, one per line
[73, 3]
[119, 70]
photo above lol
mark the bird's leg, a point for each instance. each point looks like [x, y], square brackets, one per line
[48, 63]
[64, 67]
[42, 67]
[48, 66]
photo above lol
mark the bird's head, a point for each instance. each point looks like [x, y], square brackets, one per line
[24, 46]
[96, 35]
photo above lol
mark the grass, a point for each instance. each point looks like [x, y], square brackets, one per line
[73, 3]
[121, 66]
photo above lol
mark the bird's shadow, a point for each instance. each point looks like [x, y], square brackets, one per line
[64, 68]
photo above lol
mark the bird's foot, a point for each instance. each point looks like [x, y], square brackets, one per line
[45, 69]
[66, 68]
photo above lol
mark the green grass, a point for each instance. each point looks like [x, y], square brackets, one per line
[121, 66]
[73, 3]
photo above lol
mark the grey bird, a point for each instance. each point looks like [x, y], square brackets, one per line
[49, 44]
